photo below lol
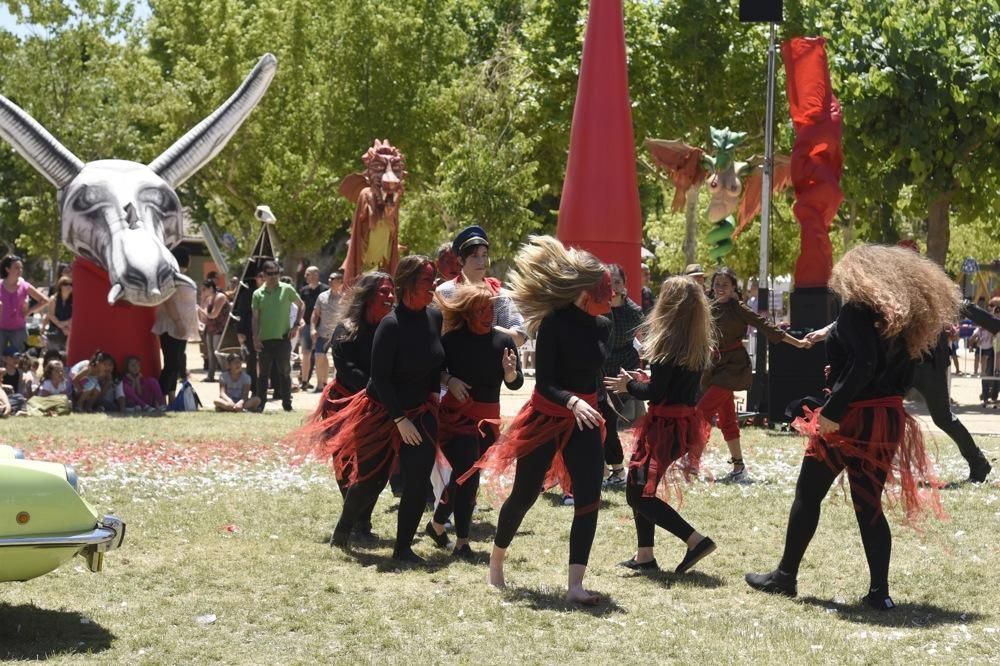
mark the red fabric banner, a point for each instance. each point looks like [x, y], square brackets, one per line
[817, 156]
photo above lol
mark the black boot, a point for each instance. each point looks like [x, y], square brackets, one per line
[979, 470]
[775, 582]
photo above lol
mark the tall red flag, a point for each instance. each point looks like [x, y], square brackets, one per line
[599, 209]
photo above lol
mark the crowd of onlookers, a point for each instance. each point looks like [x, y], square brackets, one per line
[273, 323]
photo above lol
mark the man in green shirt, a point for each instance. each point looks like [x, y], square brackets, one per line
[273, 330]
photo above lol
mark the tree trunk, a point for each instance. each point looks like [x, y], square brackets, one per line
[691, 225]
[938, 231]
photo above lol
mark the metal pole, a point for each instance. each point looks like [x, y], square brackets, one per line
[765, 199]
[758, 392]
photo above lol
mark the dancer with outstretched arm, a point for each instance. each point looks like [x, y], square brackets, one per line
[557, 436]
[731, 371]
[677, 340]
[884, 327]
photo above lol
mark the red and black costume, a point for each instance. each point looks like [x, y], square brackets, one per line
[544, 438]
[731, 370]
[406, 362]
[476, 359]
[876, 442]
[669, 441]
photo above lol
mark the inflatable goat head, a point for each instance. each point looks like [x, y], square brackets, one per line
[123, 215]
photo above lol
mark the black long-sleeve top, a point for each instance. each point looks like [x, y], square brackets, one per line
[981, 317]
[407, 359]
[353, 358]
[863, 364]
[478, 361]
[625, 320]
[569, 352]
[669, 384]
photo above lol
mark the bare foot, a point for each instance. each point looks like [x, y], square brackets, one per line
[578, 595]
[496, 578]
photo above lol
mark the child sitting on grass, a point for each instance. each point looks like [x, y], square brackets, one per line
[52, 398]
[142, 394]
[90, 379]
[234, 388]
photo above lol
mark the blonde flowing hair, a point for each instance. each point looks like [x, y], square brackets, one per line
[456, 308]
[679, 329]
[912, 295]
[547, 276]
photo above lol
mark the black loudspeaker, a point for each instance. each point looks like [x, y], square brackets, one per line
[812, 308]
[761, 11]
[793, 375]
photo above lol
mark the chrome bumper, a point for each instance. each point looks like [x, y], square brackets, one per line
[107, 535]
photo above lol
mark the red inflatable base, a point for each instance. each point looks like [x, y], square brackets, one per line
[122, 329]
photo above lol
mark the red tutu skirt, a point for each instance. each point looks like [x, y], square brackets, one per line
[468, 417]
[669, 440]
[360, 432]
[333, 399]
[539, 422]
[894, 447]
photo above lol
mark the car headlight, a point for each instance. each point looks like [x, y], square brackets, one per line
[72, 479]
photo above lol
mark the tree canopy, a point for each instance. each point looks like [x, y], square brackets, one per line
[479, 94]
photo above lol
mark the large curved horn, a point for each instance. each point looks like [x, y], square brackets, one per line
[49, 157]
[204, 141]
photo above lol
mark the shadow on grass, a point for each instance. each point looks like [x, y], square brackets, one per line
[537, 599]
[903, 616]
[378, 542]
[30, 633]
[385, 563]
[670, 579]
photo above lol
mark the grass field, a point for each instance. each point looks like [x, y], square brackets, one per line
[225, 560]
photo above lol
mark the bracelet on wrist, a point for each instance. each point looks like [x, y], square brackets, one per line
[398, 420]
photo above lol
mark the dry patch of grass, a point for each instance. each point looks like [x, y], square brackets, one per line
[226, 561]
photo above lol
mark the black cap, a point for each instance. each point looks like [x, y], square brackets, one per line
[469, 237]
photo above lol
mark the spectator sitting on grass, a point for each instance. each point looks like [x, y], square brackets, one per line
[54, 380]
[51, 398]
[5, 409]
[234, 388]
[142, 394]
[27, 365]
[88, 379]
[11, 368]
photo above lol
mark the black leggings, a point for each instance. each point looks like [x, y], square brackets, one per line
[815, 479]
[613, 454]
[648, 512]
[583, 455]
[930, 379]
[415, 464]
[364, 523]
[461, 451]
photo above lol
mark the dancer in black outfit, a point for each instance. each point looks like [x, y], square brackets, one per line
[367, 303]
[397, 413]
[678, 338]
[558, 434]
[884, 327]
[484, 358]
[930, 379]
